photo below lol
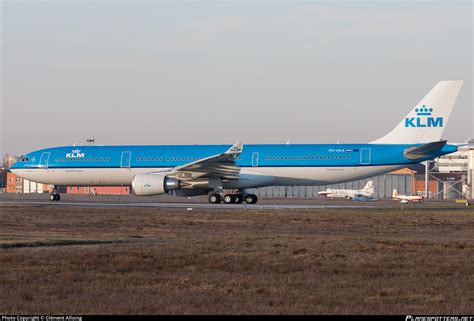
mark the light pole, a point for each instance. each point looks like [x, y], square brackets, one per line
[427, 173]
[3, 176]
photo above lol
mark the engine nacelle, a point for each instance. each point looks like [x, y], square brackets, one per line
[154, 184]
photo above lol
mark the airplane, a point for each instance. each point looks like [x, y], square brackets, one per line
[366, 192]
[190, 170]
[404, 199]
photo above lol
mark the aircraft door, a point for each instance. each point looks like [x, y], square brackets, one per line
[255, 159]
[44, 160]
[365, 156]
[125, 160]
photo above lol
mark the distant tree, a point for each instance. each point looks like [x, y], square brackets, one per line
[3, 172]
[8, 161]
[4, 161]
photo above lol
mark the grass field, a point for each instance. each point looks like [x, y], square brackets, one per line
[57, 260]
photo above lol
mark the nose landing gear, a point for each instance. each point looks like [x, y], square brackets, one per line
[54, 195]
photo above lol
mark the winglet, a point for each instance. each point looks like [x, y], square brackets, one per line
[236, 149]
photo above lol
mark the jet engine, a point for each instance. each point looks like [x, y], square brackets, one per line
[154, 184]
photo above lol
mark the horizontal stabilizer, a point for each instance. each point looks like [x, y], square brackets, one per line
[425, 150]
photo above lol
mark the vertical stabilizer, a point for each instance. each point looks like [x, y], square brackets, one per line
[369, 185]
[427, 120]
[394, 193]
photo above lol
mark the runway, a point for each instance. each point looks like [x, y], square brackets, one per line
[172, 202]
[189, 206]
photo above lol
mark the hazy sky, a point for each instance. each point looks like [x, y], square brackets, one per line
[168, 72]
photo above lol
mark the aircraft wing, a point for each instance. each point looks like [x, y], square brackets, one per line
[351, 194]
[222, 165]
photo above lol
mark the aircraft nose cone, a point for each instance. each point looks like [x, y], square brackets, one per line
[15, 168]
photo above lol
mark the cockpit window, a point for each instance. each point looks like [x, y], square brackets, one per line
[24, 158]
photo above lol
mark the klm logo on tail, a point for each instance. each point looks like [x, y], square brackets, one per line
[424, 118]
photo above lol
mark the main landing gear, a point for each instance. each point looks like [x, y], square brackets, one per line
[233, 198]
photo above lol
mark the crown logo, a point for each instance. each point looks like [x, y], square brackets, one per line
[76, 151]
[423, 111]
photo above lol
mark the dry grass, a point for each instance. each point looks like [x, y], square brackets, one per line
[120, 261]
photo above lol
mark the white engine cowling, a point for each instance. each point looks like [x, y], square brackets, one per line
[154, 184]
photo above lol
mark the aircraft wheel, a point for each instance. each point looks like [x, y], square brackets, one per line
[255, 199]
[251, 199]
[229, 198]
[239, 198]
[214, 198]
[54, 197]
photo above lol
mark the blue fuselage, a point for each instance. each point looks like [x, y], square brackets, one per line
[261, 165]
[166, 156]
